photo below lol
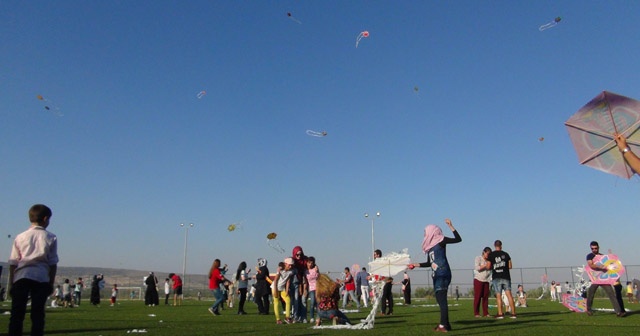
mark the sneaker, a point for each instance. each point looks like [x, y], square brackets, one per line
[288, 321]
[279, 322]
[305, 321]
[514, 316]
[589, 313]
[499, 317]
[440, 328]
[211, 311]
[477, 316]
[312, 320]
[621, 314]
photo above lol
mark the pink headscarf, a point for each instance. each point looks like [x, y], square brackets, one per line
[432, 236]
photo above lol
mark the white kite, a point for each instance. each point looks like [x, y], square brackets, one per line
[386, 266]
[390, 264]
[316, 133]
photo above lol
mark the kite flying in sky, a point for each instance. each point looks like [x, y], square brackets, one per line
[550, 24]
[316, 133]
[361, 36]
[273, 243]
[293, 18]
[49, 106]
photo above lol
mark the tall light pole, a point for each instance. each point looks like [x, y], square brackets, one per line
[373, 220]
[184, 264]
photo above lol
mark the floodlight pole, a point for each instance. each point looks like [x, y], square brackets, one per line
[373, 220]
[184, 264]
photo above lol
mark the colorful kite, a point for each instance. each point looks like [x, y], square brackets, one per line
[611, 263]
[594, 128]
[575, 303]
[201, 94]
[361, 36]
[271, 241]
[292, 18]
[550, 24]
[316, 133]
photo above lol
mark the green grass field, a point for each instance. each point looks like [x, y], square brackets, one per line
[540, 318]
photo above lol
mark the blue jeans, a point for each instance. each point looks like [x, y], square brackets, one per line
[353, 298]
[500, 284]
[329, 314]
[312, 303]
[217, 294]
[20, 292]
[299, 308]
[441, 282]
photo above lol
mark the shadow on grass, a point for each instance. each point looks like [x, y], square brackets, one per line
[489, 326]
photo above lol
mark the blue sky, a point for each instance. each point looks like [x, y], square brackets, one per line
[136, 153]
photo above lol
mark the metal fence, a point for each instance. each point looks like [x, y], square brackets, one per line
[530, 277]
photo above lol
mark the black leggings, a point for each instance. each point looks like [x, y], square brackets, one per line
[243, 298]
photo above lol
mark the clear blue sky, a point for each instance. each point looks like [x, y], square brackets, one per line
[136, 152]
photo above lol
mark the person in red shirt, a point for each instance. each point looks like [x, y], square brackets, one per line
[349, 289]
[177, 289]
[215, 279]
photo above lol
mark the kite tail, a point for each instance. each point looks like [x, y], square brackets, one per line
[369, 321]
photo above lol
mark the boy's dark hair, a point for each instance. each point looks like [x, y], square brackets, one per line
[594, 243]
[38, 212]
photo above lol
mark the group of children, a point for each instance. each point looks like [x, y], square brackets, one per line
[68, 295]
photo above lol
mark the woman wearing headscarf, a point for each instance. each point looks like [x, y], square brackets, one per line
[434, 245]
[95, 289]
[262, 287]
[406, 289]
[300, 285]
[151, 297]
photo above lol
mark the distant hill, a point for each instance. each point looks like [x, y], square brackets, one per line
[122, 277]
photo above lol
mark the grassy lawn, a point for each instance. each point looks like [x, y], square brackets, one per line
[540, 318]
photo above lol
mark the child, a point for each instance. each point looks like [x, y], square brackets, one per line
[387, 297]
[283, 283]
[66, 293]
[77, 291]
[522, 297]
[327, 296]
[32, 270]
[312, 275]
[177, 289]
[114, 294]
